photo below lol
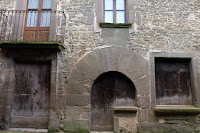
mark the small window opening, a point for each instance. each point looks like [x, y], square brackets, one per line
[114, 11]
[173, 81]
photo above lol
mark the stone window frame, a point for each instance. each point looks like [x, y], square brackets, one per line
[193, 71]
[133, 17]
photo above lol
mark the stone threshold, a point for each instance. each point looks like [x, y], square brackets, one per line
[176, 110]
[32, 130]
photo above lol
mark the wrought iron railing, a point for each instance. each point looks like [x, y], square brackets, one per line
[29, 26]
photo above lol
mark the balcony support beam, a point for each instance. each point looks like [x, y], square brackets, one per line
[32, 45]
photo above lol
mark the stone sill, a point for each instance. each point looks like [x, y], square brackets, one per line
[32, 45]
[115, 25]
[125, 109]
[177, 110]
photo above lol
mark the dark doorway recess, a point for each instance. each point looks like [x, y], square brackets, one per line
[173, 81]
[109, 89]
[31, 96]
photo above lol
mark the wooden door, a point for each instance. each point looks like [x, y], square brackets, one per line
[37, 20]
[173, 81]
[110, 89]
[30, 108]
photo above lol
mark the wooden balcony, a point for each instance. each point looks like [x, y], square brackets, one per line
[32, 27]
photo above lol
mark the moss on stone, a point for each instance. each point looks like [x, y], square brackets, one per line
[12, 132]
[20, 42]
[177, 110]
[115, 25]
[72, 127]
[152, 131]
[52, 130]
[37, 45]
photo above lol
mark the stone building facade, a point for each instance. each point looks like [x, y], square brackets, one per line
[156, 32]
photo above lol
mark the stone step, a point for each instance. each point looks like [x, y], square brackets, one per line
[32, 130]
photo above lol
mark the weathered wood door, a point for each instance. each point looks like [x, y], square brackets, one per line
[110, 89]
[30, 108]
[38, 20]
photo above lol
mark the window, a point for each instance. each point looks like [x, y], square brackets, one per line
[38, 20]
[173, 81]
[114, 11]
[44, 9]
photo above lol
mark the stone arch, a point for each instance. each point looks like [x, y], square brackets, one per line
[96, 62]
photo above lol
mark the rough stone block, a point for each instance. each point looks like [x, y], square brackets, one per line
[142, 115]
[114, 41]
[128, 124]
[125, 59]
[143, 102]
[114, 54]
[138, 18]
[81, 126]
[142, 86]
[85, 115]
[131, 15]
[60, 102]
[152, 116]
[77, 88]
[78, 83]
[107, 32]
[116, 125]
[99, 10]
[84, 68]
[138, 67]
[53, 77]
[77, 100]
[72, 112]
[9, 75]
[52, 100]
[54, 122]
[122, 33]
[153, 127]
[90, 18]
[10, 63]
[85, 109]
[143, 91]
[53, 86]
[102, 55]
[94, 63]
[76, 76]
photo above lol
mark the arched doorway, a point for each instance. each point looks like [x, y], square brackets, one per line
[110, 89]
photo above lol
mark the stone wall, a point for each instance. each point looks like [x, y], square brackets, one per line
[7, 4]
[170, 26]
